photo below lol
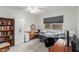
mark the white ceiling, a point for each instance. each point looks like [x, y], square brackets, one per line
[43, 9]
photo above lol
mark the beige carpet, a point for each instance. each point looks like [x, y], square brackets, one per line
[31, 46]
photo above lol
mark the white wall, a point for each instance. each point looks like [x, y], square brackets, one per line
[69, 18]
[30, 19]
[78, 21]
[22, 21]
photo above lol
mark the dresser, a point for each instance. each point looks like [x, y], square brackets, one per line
[32, 34]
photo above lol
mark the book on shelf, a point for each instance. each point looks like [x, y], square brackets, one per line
[0, 33]
[6, 22]
[6, 28]
[0, 28]
[9, 33]
[4, 33]
[0, 23]
[11, 27]
[11, 37]
[9, 23]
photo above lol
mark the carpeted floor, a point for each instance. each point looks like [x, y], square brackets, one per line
[31, 46]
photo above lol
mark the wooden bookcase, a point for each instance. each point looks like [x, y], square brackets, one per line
[7, 30]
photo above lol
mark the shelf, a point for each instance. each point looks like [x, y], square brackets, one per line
[9, 39]
[4, 36]
[6, 25]
[6, 30]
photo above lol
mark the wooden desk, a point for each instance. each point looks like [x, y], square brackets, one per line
[60, 47]
[32, 34]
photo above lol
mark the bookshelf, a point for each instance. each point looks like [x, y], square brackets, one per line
[7, 30]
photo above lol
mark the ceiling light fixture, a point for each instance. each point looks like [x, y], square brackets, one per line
[33, 9]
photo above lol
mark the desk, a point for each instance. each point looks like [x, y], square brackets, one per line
[32, 34]
[59, 46]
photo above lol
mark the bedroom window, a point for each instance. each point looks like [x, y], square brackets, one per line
[55, 23]
[54, 26]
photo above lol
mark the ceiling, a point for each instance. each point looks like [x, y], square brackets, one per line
[43, 9]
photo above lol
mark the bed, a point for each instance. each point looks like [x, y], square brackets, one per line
[44, 35]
